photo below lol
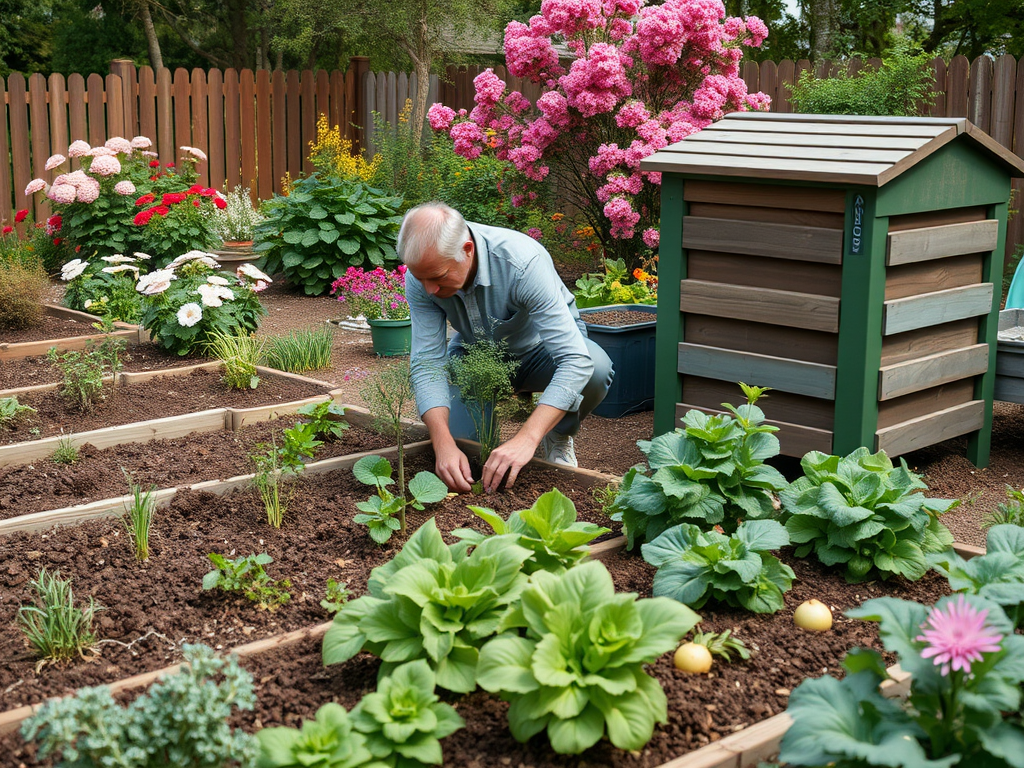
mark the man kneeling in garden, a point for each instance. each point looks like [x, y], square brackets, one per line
[498, 284]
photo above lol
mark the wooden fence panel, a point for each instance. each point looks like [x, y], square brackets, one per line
[164, 138]
[215, 112]
[125, 69]
[182, 115]
[263, 189]
[307, 100]
[279, 112]
[392, 107]
[937, 108]
[1004, 87]
[147, 105]
[751, 74]
[97, 119]
[6, 187]
[21, 162]
[369, 88]
[337, 101]
[980, 93]
[247, 126]
[232, 131]
[769, 80]
[201, 122]
[957, 75]
[58, 103]
[323, 96]
[76, 113]
[39, 125]
[294, 127]
[115, 108]
[402, 90]
[787, 78]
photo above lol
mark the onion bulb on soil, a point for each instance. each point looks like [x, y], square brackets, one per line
[694, 658]
[813, 615]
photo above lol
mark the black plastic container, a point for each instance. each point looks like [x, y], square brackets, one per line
[631, 349]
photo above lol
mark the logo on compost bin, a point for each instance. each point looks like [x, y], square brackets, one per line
[857, 240]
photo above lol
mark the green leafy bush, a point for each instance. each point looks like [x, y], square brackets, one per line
[861, 512]
[472, 187]
[56, 628]
[327, 419]
[579, 670]
[434, 602]
[82, 376]
[404, 721]
[324, 226]
[548, 528]
[898, 87]
[180, 721]
[483, 375]
[711, 472]
[695, 566]
[247, 575]
[384, 513]
[328, 741]
[612, 287]
[190, 300]
[11, 411]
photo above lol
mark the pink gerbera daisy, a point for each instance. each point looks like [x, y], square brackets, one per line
[957, 635]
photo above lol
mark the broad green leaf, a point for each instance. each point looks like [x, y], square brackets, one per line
[505, 665]
[763, 535]
[373, 470]
[570, 737]
[427, 488]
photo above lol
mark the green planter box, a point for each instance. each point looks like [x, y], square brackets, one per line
[632, 352]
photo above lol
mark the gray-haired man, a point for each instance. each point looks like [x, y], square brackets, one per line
[495, 283]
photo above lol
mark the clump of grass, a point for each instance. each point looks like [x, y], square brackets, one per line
[12, 411]
[56, 628]
[66, 451]
[1010, 513]
[139, 516]
[308, 349]
[240, 354]
[23, 287]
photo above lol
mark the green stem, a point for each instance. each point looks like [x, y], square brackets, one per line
[401, 475]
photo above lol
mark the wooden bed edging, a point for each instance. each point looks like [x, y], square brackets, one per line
[12, 719]
[133, 334]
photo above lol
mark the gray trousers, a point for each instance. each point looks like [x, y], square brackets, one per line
[533, 375]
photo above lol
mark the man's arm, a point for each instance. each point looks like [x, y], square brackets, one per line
[451, 463]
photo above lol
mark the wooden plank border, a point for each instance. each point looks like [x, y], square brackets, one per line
[913, 245]
[788, 375]
[931, 371]
[936, 308]
[757, 238]
[762, 305]
[931, 428]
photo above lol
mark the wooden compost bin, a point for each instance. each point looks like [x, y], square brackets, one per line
[847, 262]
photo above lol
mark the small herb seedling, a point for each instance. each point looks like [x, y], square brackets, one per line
[384, 513]
[336, 596]
[326, 419]
[248, 576]
[11, 411]
[722, 644]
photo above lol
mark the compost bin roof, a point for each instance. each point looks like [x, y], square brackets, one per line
[847, 149]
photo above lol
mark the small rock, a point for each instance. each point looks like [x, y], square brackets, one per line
[35, 554]
[782, 691]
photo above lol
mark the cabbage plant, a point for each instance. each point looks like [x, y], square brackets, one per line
[577, 671]
[328, 741]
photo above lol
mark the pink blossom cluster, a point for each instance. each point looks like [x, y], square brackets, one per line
[641, 78]
[375, 294]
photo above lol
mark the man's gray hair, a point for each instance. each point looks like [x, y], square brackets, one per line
[432, 225]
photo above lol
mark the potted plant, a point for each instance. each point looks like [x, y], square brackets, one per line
[379, 296]
[236, 227]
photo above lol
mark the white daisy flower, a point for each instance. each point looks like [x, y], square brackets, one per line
[217, 280]
[189, 314]
[214, 295]
[117, 258]
[148, 284]
[252, 272]
[73, 269]
[142, 256]
[120, 268]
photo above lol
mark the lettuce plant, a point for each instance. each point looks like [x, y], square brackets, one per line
[711, 472]
[861, 512]
[966, 667]
[548, 528]
[434, 602]
[578, 671]
[384, 513]
[403, 721]
[998, 575]
[695, 566]
[329, 741]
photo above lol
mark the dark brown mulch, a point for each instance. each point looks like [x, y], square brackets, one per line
[48, 327]
[618, 318]
[291, 683]
[155, 398]
[318, 541]
[30, 371]
[97, 474]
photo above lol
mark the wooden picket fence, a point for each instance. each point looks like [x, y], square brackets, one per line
[256, 127]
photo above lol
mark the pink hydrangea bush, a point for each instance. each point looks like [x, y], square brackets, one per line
[642, 78]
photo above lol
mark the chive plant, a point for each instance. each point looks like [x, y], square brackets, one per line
[308, 349]
[57, 629]
[139, 516]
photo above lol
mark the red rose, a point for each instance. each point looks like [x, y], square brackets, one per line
[163, 210]
[195, 189]
[56, 241]
[208, 192]
[154, 178]
[170, 165]
[78, 248]
[146, 199]
[154, 163]
[220, 202]
[173, 198]
[55, 221]
[20, 216]
[6, 230]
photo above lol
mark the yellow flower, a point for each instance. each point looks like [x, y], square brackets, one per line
[557, 216]
[616, 284]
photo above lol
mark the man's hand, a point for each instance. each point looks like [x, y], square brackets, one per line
[508, 458]
[453, 468]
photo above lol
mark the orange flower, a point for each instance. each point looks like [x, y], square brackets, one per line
[557, 216]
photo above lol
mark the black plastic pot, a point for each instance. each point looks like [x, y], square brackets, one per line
[631, 349]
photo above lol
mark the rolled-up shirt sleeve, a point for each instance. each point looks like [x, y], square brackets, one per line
[429, 348]
[539, 292]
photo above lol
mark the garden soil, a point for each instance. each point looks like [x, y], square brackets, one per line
[49, 327]
[30, 371]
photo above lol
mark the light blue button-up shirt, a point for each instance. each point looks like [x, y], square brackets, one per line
[516, 296]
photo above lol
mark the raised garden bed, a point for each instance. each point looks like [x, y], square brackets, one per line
[141, 403]
[64, 329]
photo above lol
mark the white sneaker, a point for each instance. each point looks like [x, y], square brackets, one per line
[558, 449]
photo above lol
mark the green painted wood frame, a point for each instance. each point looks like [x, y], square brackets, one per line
[668, 385]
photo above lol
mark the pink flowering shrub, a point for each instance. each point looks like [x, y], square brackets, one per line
[642, 78]
[376, 295]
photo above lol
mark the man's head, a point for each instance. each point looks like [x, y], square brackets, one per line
[434, 242]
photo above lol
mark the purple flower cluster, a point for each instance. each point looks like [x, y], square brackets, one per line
[642, 78]
[377, 294]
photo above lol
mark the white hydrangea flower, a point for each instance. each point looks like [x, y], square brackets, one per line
[101, 152]
[124, 188]
[62, 193]
[119, 145]
[217, 280]
[214, 295]
[88, 192]
[79, 148]
[36, 185]
[105, 166]
[73, 269]
[150, 154]
[141, 142]
[189, 314]
[53, 161]
[76, 178]
[248, 270]
[195, 152]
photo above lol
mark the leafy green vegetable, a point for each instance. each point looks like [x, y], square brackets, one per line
[329, 741]
[435, 602]
[710, 473]
[861, 512]
[696, 566]
[548, 528]
[182, 720]
[248, 576]
[579, 670]
[327, 419]
[381, 513]
[997, 575]
[404, 721]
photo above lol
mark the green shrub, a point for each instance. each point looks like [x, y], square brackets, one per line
[104, 286]
[180, 721]
[898, 87]
[82, 375]
[324, 226]
[472, 187]
[56, 628]
[23, 286]
[12, 411]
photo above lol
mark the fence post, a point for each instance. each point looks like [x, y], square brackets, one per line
[125, 69]
[360, 65]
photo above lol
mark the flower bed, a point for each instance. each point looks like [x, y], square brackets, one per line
[64, 329]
